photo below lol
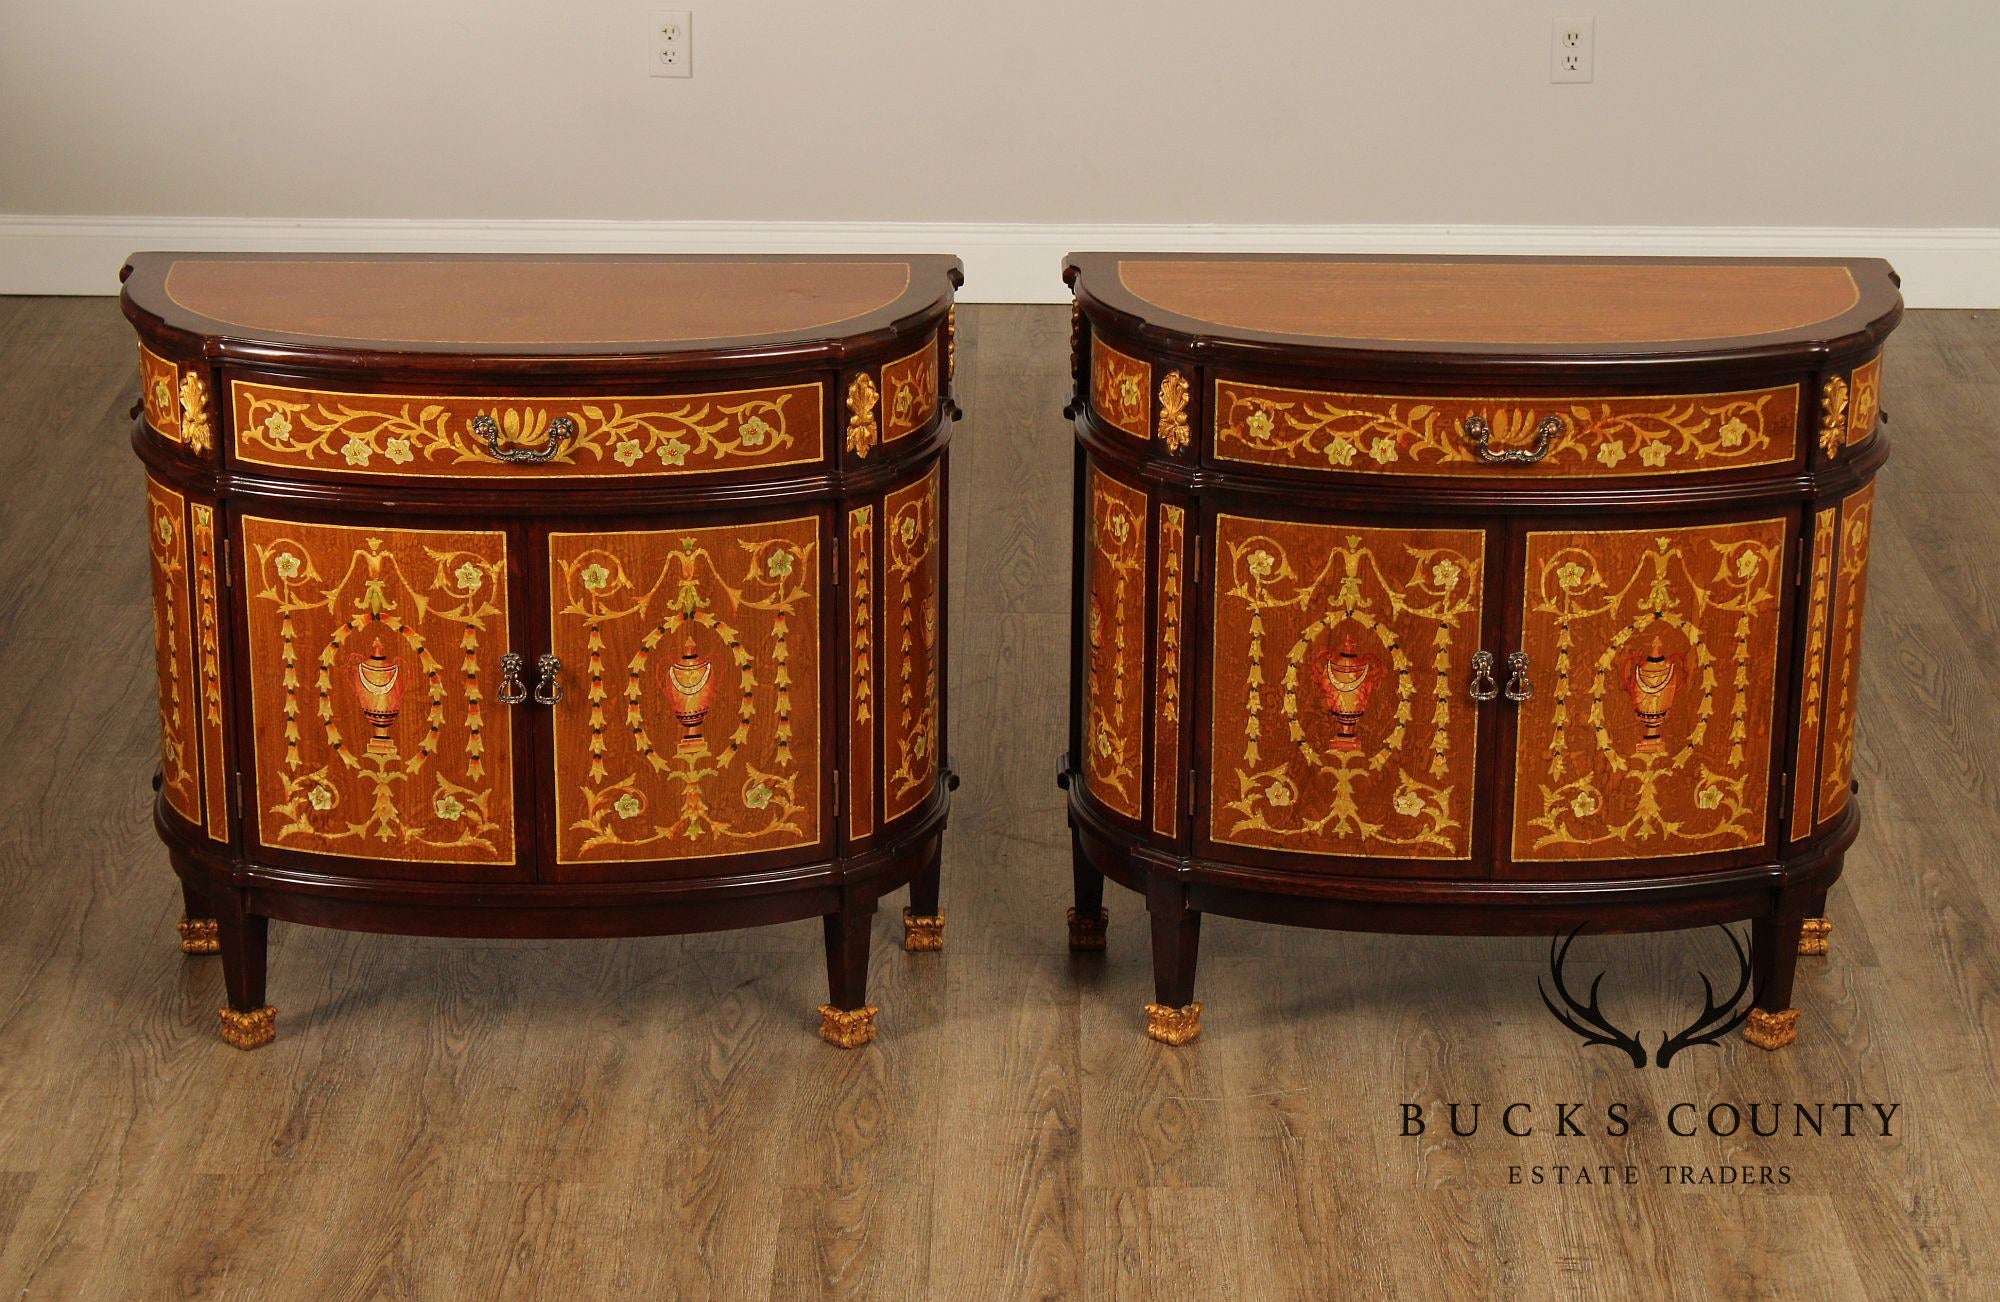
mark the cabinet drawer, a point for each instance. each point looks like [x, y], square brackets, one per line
[1534, 437]
[525, 439]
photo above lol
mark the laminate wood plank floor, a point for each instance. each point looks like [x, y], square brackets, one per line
[655, 1118]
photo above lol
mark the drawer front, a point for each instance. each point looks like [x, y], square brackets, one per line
[1583, 437]
[538, 438]
[690, 722]
[1340, 723]
[375, 667]
[1653, 655]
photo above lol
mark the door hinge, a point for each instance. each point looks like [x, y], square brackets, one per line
[833, 556]
[239, 790]
[1785, 795]
[1805, 565]
[222, 559]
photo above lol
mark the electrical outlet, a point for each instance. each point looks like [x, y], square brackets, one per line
[670, 43]
[1572, 49]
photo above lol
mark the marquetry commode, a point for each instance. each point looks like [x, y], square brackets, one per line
[548, 597]
[1487, 596]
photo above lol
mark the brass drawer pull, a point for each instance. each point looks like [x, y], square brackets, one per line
[561, 430]
[1483, 688]
[512, 690]
[1518, 686]
[1479, 433]
[548, 688]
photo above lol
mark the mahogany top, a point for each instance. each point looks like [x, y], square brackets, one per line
[1518, 306]
[515, 305]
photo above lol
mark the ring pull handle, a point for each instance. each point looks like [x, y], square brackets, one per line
[512, 690]
[1484, 687]
[561, 430]
[548, 687]
[1479, 433]
[1518, 686]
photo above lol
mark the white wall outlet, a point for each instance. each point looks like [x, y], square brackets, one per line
[1572, 49]
[670, 43]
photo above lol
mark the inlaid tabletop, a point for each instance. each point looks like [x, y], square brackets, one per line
[499, 304]
[1521, 303]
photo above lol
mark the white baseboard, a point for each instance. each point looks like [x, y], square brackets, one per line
[1004, 262]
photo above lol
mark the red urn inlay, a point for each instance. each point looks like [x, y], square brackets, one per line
[1346, 680]
[378, 683]
[690, 684]
[1652, 680]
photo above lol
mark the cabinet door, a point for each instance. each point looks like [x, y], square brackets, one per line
[1653, 654]
[374, 658]
[1339, 721]
[690, 727]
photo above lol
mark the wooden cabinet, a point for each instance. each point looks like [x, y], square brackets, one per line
[1403, 607]
[627, 621]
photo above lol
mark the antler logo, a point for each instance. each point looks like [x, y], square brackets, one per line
[1588, 1020]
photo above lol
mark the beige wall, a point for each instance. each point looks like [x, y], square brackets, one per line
[1704, 113]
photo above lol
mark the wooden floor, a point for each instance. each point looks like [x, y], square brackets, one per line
[656, 1118]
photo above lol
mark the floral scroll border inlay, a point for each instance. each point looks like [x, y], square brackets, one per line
[1864, 406]
[1371, 580]
[1836, 765]
[413, 436]
[173, 638]
[860, 797]
[1602, 436]
[159, 393]
[913, 543]
[1567, 585]
[1115, 644]
[1167, 775]
[1812, 711]
[215, 774]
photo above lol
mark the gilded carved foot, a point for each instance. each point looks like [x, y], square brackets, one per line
[199, 936]
[847, 1028]
[921, 932]
[1086, 930]
[1772, 1030]
[1814, 935]
[251, 1030]
[1173, 1025]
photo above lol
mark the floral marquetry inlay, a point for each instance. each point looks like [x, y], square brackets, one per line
[697, 654]
[208, 646]
[1167, 774]
[174, 628]
[1836, 765]
[1340, 724]
[1655, 655]
[1114, 684]
[862, 690]
[405, 436]
[1382, 434]
[910, 392]
[159, 393]
[1864, 404]
[1812, 710]
[373, 653]
[1120, 390]
[913, 674]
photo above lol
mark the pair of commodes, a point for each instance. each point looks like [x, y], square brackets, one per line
[606, 596]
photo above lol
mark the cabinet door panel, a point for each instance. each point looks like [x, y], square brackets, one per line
[1114, 681]
[696, 729]
[1654, 657]
[173, 632]
[914, 547]
[373, 655]
[1340, 723]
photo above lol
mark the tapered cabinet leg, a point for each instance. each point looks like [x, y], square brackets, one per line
[1817, 929]
[923, 921]
[1173, 1017]
[847, 1019]
[1774, 958]
[1088, 919]
[247, 1021]
[198, 929]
